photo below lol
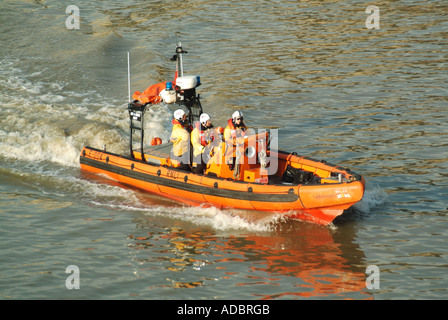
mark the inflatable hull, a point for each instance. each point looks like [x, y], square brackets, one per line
[320, 202]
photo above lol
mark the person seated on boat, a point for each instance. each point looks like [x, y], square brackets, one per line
[180, 137]
[201, 138]
[235, 127]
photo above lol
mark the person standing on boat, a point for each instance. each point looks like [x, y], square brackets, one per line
[201, 138]
[180, 137]
[235, 127]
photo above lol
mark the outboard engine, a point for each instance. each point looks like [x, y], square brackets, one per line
[297, 176]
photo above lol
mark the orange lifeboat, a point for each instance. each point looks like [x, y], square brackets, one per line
[248, 174]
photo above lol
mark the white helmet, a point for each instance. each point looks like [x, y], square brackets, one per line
[179, 114]
[237, 114]
[203, 118]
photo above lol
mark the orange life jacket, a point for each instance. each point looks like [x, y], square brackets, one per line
[233, 131]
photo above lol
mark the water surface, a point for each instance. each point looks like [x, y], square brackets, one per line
[373, 100]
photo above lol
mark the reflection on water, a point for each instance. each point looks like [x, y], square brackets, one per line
[298, 260]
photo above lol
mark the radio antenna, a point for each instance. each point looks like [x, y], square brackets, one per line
[129, 79]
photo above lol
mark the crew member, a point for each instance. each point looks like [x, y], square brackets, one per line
[235, 127]
[180, 137]
[201, 137]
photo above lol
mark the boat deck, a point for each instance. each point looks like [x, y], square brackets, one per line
[161, 150]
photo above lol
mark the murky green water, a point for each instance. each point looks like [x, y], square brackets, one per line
[374, 100]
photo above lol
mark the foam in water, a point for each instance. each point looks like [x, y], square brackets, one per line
[108, 194]
[38, 122]
[223, 220]
[373, 198]
[38, 125]
[220, 219]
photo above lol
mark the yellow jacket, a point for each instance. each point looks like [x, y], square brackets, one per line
[180, 138]
[199, 139]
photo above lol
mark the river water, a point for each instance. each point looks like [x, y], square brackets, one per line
[371, 99]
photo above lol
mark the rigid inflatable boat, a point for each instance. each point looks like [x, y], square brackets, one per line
[258, 176]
